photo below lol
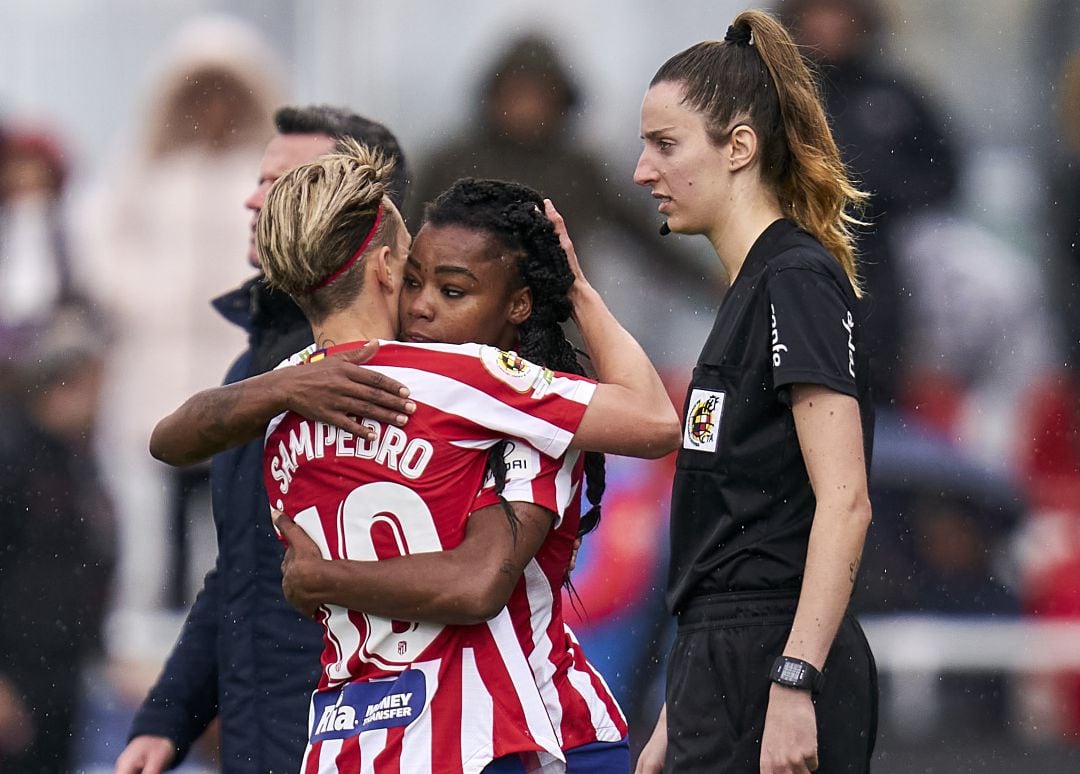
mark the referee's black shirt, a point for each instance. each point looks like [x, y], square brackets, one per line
[742, 504]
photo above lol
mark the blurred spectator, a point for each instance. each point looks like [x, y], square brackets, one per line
[161, 240]
[943, 522]
[1064, 212]
[894, 142]
[35, 272]
[524, 130]
[57, 541]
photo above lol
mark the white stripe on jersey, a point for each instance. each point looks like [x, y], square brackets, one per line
[565, 486]
[310, 725]
[417, 753]
[521, 675]
[606, 730]
[453, 397]
[328, 753]
[371, 744]
[339, 629]
[476, 704]
[538, 592]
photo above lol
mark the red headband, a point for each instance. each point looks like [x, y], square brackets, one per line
[355, 256]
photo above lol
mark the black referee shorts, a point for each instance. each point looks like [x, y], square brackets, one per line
[718, 687]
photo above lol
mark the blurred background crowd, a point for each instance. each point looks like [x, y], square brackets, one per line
[127, 151]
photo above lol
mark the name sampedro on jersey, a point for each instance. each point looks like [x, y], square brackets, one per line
[485, 389]
[410, 490]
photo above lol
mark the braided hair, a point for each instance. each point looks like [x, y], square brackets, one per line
[513, 216]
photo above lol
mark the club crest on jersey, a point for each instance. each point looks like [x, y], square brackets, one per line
[703, 420]
[517, 372]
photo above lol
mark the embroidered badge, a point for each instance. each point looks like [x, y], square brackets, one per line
[702, 426]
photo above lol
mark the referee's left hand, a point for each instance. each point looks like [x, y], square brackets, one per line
[789, 742]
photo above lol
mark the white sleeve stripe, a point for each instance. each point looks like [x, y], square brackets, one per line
[453, 397]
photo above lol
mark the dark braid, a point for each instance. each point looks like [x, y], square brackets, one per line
[513, 215]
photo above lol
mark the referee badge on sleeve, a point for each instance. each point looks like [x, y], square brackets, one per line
[703, 420]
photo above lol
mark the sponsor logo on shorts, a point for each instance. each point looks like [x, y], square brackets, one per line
[703, 420]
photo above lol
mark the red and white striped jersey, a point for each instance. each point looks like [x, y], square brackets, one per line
[406, 696]
[580, 704]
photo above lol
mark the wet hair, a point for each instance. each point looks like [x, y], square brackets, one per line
[756, 76]
[340, 125]
[513, 216]
[315, 219]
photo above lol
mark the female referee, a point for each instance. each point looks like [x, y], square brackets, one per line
[769, 507]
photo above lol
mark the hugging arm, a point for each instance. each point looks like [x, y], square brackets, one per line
[335, 390]
[467, 584]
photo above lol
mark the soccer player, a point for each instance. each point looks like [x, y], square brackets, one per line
[483, 244]
[633, 387]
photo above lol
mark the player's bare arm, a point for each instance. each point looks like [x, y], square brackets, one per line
[335, 391]
[464, 585]
[631, 413]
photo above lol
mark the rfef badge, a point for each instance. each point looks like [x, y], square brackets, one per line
[517, 372]
[702, 426]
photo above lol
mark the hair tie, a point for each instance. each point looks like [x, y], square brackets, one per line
[738, 35]
[355, 256]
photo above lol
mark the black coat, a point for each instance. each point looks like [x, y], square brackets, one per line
[244, 655]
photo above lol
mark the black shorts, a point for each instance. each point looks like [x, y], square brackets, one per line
[718, 687]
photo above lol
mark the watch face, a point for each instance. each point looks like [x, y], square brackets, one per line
[792, 672]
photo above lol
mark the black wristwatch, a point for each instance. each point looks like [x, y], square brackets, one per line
[796, 673]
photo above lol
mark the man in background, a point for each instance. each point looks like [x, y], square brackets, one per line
[245, 655]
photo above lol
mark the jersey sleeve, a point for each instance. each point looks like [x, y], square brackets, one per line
[812, 331]
[532, 477]
[497, 394]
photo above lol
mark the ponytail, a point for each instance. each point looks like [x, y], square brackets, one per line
[758, 75]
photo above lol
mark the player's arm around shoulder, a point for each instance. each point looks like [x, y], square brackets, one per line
[335, 390]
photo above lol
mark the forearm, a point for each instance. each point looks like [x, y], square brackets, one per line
[832, 561]
[217, 419]
[651, 423]
[435, 587]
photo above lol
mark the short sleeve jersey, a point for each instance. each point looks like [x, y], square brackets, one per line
[409, 491]
[742, 504]
[580, 704]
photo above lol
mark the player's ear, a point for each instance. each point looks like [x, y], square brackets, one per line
[384, 269]
[520, 306]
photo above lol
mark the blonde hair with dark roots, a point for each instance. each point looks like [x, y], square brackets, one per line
[315, 218]
[758, 76]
